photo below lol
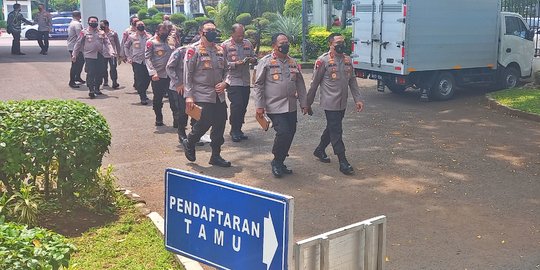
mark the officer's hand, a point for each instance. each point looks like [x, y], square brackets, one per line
[305, 110]
[129, 61]
[190, 104]
[73, 59]
[260, 112]
[126, 60]
[155, 78]
[239, 62]
[359, 106]
[220, 87]
[253, 60]
[310, 111]
[180, 89]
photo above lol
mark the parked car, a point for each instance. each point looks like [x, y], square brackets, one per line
[60, 27]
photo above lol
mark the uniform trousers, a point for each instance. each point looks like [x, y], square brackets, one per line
[93, 75]
[113, 63]
[16, 43]
[333, 133]
[213, 115]
[142, 79]
[178, 106]
[76, 68]
[160, 88]
[239, 98]
[43, 40]
[285, 126]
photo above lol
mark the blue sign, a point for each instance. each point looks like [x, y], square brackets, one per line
[226, 225]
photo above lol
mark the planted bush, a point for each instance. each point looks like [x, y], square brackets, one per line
[178, 18]
[56, 145]
[244, 18]
[293, 8]
[318, 39]
[36, 248]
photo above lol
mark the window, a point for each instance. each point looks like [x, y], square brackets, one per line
[515, 27]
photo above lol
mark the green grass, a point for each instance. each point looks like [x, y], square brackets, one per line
[132, 243]
[527, 100]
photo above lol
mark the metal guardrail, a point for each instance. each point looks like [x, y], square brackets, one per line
[360, 246]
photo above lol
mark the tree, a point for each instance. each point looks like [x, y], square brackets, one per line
[63, 5]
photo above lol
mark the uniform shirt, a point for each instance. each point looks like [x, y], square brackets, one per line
[14, 21]
[175, 67]
[115, 43]
[157, 55]
[278, 85]
[334, 75]
[204, 68]
[92, 42]
[134, 47]
[74, 29]
[125, 36]
[238, 75]
[44, 21]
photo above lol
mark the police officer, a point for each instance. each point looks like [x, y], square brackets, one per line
[334, 74]
[157, 55]
[205, 83]
[14, 28]
[134, 48]
[278, 85]
[132, 29]
[94, 43]
[175, 70]
[239, 55]
[109, 59]
[74, 29]
[44, 22]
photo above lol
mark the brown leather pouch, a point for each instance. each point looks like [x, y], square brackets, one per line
[195, 113]
[264, 121]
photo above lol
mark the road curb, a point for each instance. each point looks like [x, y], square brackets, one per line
[494, 104]
[159, 222]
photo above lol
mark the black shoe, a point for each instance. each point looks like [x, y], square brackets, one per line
[321, 155]
[182, 134]
[277, 170]
[19, 53]
[91, 95]
[144, 102]
[45, 53]
[346, 168]
[285, 169]
[243, 136]
[219, 161]
[115, 85]
[99, 93]
[159, 123]
[189, 150]
[106, 84]
[81, 81]
[73, 85]
[235, 137]
[199, 143]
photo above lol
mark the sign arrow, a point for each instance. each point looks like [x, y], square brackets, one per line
[270, 243]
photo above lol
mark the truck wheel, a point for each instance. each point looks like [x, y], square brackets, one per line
[509, 78]
[444, 86]
[396, 88]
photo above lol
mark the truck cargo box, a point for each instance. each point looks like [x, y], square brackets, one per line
[400, 37]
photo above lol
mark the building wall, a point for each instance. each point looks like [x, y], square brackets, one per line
[116, 12]
[26, 8]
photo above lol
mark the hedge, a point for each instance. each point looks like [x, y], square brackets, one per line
[57, 145]
[317, 38]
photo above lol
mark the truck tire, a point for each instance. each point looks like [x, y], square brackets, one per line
[396, 88]
[444, 86]
[509, 78]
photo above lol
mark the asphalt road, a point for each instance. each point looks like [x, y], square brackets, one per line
[458, 182]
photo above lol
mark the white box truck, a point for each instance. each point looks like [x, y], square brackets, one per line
[438, 45]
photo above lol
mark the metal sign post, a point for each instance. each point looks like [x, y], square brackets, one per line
[227, 225]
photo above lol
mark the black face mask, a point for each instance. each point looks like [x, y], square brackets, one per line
[140, 28]
[93, 25]
[284, 49]
[211, 36]
[340, 48]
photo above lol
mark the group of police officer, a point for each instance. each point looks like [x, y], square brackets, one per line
[198, 76]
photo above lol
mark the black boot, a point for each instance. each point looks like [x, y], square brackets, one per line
[182, 133]
[277, 169]
[285, 170]
[159, 117]
[217, 160]
[321, 155]
[189, 150]
[344, 165]
[235, 135]
[115, 84]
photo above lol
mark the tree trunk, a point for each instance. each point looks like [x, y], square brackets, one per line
[329, 21]
[344, 9]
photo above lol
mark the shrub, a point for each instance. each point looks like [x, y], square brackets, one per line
[178, 18]
[270, 16]
[244, 18]
[293, 8]
[199, 20]
[191, 25]
[290, 26]
[36, 248]
[318, 35]
[266, 41]
[142, 14]
[158, 17]
[151, 25]
[250, 27]
[212, 14]
[3, 24]
[152, 11]
[57, 145]
[134, 9]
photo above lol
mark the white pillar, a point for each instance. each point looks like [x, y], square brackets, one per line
[116, 12]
